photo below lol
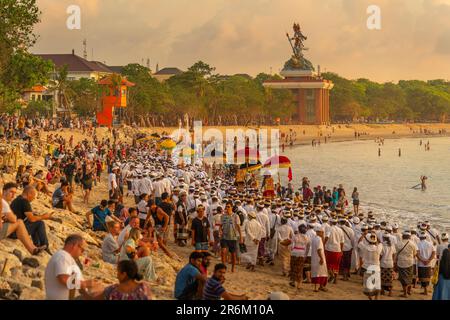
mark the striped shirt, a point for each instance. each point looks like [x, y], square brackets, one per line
[213, 289]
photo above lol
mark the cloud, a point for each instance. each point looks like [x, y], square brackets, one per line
[248, 36]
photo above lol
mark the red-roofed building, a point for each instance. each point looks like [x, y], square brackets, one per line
[35, 93]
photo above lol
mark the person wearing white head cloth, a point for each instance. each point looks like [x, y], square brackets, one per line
[263, 219]
[405, 259]
[319, 271]
[253, 234]
[426, 259]
[370, 256]
[355, 253]
[442, 246]
[284, 236]
[387, 263]
[272, 246]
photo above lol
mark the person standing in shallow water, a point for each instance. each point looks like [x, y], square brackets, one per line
[355, 198]
[423, 182]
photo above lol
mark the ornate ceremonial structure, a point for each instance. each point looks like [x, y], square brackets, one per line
[311, 91]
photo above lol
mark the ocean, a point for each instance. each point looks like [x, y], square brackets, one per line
[384, 182]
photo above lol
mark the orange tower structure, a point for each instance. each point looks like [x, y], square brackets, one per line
[114, 98]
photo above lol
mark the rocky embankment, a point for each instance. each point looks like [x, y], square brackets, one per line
[22, 275]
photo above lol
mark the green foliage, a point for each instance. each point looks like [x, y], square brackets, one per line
[85, 96]
[26, 70]
[406, 101]
[18, 68]
[41, 108]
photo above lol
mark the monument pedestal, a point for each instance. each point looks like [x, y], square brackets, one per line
[311, 94]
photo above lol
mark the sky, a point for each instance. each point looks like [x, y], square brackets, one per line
[249, 36]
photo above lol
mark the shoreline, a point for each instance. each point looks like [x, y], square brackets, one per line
[305, 134]
[267, 279]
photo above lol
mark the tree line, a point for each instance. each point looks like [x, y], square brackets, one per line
[199, 93]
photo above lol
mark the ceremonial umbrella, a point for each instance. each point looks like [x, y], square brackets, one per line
[168, 144]
[251, 155]
[277, 161]
[250, 167]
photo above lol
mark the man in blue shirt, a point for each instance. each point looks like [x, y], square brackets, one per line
[189, 282]
[214, 290]
[100, 213]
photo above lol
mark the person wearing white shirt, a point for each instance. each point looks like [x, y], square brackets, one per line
[334, 243]
[62, 269]
[319, 271]
[143, 209]
[299, 251]
[263, 219]
[426, 256]
[387, 264]
[405, 256]
[395, 233]
[158, 188]
[112, 182]
[145, 185]
[167, 185]
[123, 236]
[284, 236]
[272, 245]
[347, 249]
[370, 256]
[253, 234]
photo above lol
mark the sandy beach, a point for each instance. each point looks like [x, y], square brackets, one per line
[338, 133]
[255, 284]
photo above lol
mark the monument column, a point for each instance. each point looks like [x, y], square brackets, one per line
[318, 106]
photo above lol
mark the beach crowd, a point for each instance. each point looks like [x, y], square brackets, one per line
[313, 236]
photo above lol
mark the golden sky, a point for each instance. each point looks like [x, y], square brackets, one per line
[248, 36]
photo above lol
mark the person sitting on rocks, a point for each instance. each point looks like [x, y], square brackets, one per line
[63, 272]
[62, 197]
[110, 246]
[100, 213]
[133, 249]
[190, 281]
[21, 206]
[130, 287]
[9, 223]
[39, 182]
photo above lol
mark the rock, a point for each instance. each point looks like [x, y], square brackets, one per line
[5, 290]
[31, 293]
[31, 261]
[16, 287]
[15, 271]
[58, 220]
[12, 262]
[18, 254]
[37, 284]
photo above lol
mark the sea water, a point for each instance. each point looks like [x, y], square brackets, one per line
[384, 182]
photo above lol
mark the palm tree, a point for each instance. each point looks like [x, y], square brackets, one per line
[60, 86]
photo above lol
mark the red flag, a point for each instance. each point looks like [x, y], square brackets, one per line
[290, 174]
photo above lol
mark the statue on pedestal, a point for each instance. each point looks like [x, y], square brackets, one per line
[298, 61]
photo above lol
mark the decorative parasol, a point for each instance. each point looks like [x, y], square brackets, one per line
[251, 155]
[168, 144]
[276, 162]
[250, 167]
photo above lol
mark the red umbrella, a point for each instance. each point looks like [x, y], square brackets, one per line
[249, 154]
[279, 162]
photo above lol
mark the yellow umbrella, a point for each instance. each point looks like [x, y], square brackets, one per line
[168, 144]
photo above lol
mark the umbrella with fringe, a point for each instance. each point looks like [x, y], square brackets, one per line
[277, 162]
